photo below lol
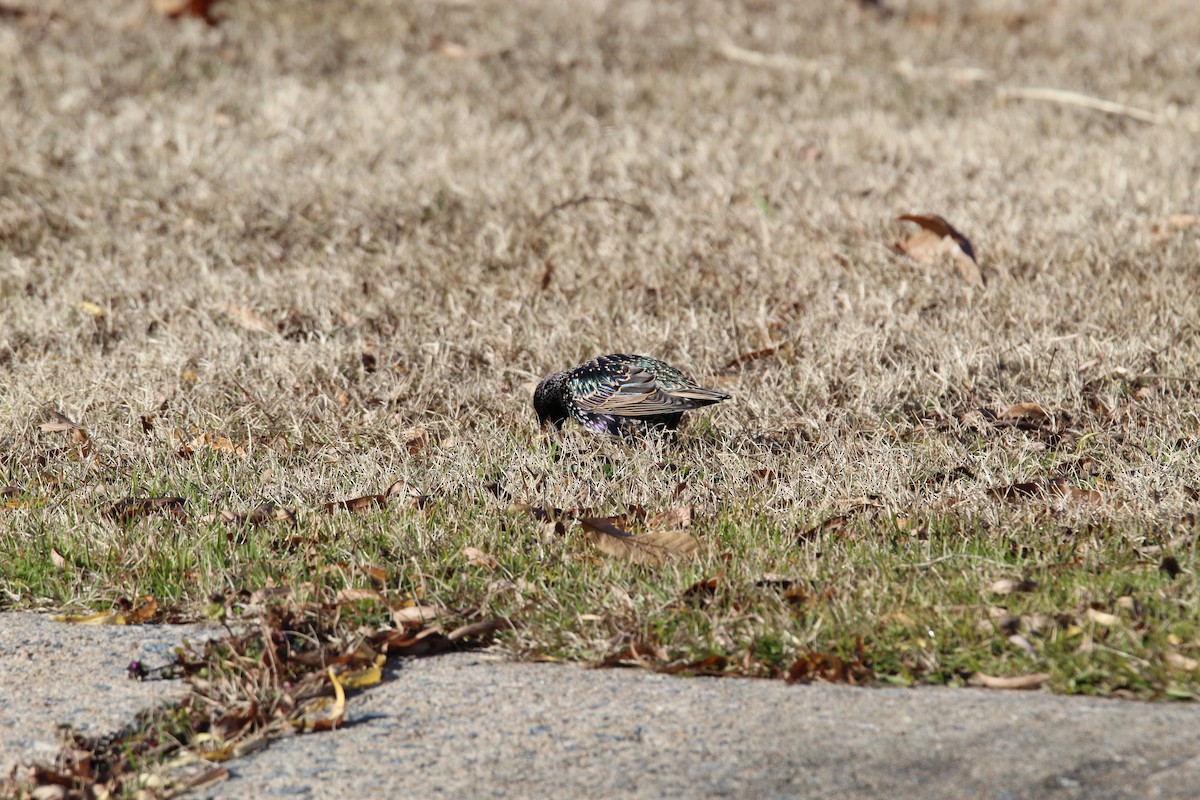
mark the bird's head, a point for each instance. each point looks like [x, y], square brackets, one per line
[548, 401]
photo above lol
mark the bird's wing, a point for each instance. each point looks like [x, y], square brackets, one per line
[632, 391]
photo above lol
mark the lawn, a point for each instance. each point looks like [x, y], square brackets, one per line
[323, 249]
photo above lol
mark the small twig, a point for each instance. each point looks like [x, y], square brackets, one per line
[1122, 653]
[641, 208]
[732, 52]
[1082, 101]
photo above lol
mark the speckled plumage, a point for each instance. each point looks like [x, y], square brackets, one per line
[620, 394]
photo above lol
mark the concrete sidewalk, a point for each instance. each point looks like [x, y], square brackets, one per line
[52, 673]
[467, 726]
[471, 725]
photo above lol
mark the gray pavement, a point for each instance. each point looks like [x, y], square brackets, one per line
[53, 672]
[471, 725]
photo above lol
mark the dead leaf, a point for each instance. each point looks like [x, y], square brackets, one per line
[358, 505]
[247, 319]
[1182, 662]
[366, 676]
[211, 747]
[400, 488]
[404, 641]
[1074, 493]
[713, 666]
[212, 441]
[829, 525]
[323, 713]
[475, 631]
[16, 12]
[132, 508]
[145, 611]
[677, 517]
[1129, 603]
[756, 355]
[1018, 491]
[56, 558]
[59, 424]
[13, 505]
[1054, 487]
[868, 501]
[799, 595]
[371, 502]
[647, 655]
[103, 618]
[351, 595]
[1032, 681]
[450, 49]
[374, 574]
[1009, 586]
[648, 549]
[261, 515]
[914, 526]
[1024, 411]
[415, 615]
[1103, 618]
[222, 444]
[175, 9]
[702, 591]
[414, 439]
[1172, 224]
[765, 475]
[831, 668]
[269, 512]
[477, 558]
[1023, 643]
[938, 239]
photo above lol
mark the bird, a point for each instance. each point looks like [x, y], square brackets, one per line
[621, 395]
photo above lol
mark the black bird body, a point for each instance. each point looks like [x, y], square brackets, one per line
[620, 394]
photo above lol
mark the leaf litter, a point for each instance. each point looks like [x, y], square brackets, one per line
[935, 240]
[651, 549]
[399, 492]
[1044, 489]
[127, 613]
[293, 671]
[853, 668]
[262, 514]
[132, 509]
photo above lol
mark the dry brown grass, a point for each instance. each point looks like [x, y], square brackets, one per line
[376, 182]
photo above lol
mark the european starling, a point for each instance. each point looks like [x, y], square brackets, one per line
[620, 394]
